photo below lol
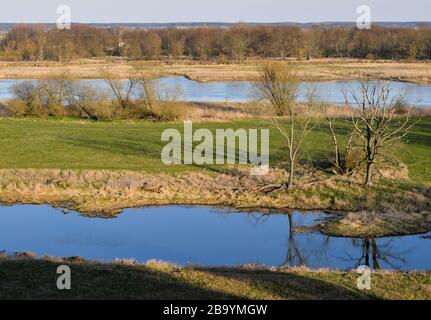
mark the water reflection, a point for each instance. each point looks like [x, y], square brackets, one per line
[368, 252]
[373, 254]
[205, 236]
[293, 257]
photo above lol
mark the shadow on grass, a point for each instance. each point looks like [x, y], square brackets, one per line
[135, 147]
[291, 286]
[36, 279]
[124, 146]
[419, 139]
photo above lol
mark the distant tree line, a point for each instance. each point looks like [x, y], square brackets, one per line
[234, 44]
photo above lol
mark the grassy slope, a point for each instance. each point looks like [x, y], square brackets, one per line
[160, 281]
[136, 145]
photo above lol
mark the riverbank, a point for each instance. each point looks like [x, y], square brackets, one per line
[398, 209]
[26, 277]
[314, 70]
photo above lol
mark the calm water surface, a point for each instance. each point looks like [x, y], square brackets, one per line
[241, 91]
[200, 235]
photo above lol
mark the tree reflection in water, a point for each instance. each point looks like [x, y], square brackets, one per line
[372, 254]
[297, 256]
[294, 257]
[310, 248]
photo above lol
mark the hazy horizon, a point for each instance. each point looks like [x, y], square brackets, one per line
[218, 22]
[222, 11]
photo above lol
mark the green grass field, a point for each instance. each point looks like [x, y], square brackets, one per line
[136, 145]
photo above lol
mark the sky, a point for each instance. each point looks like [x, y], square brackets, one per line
[150, 11]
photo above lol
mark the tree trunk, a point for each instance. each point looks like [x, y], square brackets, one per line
[291, 174]
[337, 149]
[367, 253]
[376, 255]
[291, 227]
[369, 175]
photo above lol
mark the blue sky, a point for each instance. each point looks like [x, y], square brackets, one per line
[214, 10]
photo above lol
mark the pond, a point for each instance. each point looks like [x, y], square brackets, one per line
[242, 91]
[204, 236]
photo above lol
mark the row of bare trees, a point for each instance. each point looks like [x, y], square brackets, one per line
[231, 44]
[373, 126]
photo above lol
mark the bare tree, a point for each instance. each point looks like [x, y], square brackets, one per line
[47, 96]
[236, 43]
[155, 98]
[85, 97]
[26, 92]
[340, 159]
[52, 94]
[279, 87]
[41, 43]
[376, 121]
[148, 93]
[151, 45]
[122, 90]
[148, 87]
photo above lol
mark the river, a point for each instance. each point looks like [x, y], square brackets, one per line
[242, 91]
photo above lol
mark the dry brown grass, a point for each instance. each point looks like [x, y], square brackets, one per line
[111, 191]
[373, 224]
[222, 111]
[318, 69]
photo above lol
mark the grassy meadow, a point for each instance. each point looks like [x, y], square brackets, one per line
[66, 143]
